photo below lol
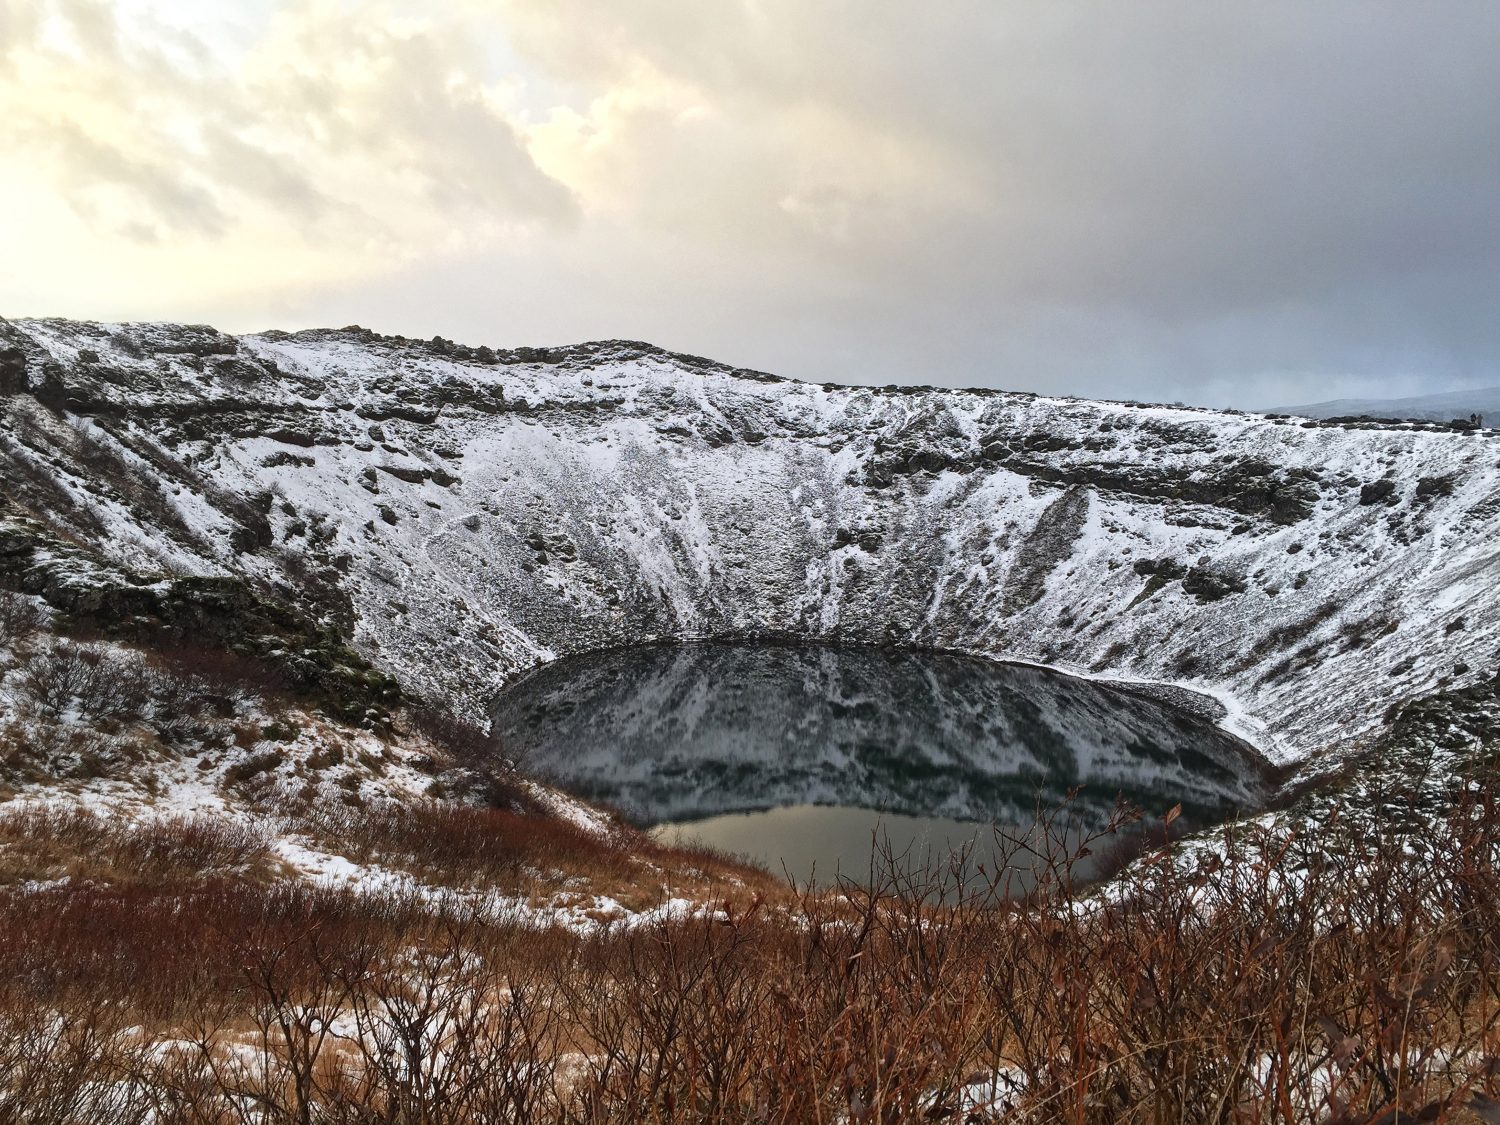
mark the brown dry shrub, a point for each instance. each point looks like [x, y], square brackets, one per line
[1353, 976]
[50, 842]
[100, 682]
[469, 845]
[468, 743]
[190, 846]
[19, 619]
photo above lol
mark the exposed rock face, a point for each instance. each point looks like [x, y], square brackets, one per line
[1052, 540]
[13, 379]
[214, 613]
[467, 513]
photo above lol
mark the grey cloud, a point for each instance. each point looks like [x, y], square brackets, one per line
[1195, 190]
[160, 191]
[19, 23]
[1228, 203]
[93, 21]
[197, 146]
[272, 177]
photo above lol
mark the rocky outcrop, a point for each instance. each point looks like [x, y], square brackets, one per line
[211, 614]
[13, 377]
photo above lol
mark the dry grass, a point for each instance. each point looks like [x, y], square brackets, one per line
[44, 843]
[469, 847]
[1350, 978]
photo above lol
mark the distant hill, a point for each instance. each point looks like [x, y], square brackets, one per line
[1436, 408]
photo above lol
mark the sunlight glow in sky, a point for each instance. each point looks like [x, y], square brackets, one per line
[1229, 204]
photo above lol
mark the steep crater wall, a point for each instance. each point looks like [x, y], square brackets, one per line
[467, 513]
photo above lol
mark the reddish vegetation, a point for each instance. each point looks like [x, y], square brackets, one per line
[41, 842]
[464, 846]
[1342, 980]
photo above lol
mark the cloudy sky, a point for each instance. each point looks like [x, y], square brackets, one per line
[1233, 204]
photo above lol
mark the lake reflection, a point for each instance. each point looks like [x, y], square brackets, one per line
[832, 737]
[825, 843]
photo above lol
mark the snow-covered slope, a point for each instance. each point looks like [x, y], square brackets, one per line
[470, 514]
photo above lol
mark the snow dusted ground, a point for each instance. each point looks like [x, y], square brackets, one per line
[486, 512]
[292, 785]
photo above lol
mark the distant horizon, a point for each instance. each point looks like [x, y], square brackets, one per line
[1055, 392]
[1437, 398]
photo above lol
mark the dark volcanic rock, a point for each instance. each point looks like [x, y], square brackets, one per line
[212, 613]
[1209, 585]
[1051, 541]
[13, 377]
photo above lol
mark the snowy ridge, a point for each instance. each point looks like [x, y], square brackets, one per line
[483, 512]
